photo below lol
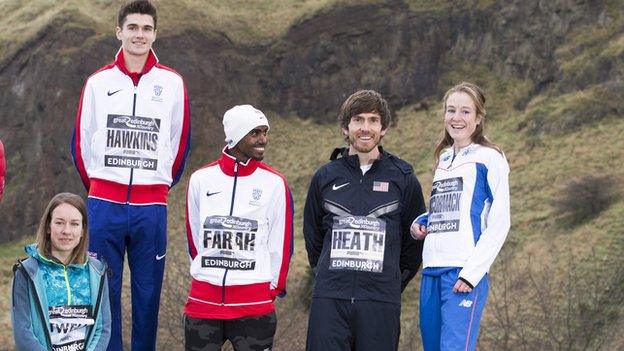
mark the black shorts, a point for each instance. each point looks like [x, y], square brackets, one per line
[245, 334]
[361, 325]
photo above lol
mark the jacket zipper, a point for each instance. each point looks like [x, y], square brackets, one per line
[67, 285]
[132, 169]
[97, 306]
[355, 273]
[39, 308]
[231, 212]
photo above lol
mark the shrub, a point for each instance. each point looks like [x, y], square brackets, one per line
[585, 198]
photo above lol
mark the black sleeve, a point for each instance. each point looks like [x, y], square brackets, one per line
[411, 250]
[313, 232]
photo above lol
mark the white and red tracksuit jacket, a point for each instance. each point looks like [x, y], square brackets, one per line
[132, 132]
[239, 228]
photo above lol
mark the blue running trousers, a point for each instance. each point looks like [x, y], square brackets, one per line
[142, 232]
[448, 320]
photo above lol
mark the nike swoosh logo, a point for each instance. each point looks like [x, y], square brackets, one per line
[336, 187]
[159, 257]
[210, 194]
[114, 92]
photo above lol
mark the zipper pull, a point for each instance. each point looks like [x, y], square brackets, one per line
[353, 300]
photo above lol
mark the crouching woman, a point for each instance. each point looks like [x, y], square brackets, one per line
[60, 294]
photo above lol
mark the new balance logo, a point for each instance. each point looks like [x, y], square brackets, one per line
[465, 303]
[336, 187]
[114, 92]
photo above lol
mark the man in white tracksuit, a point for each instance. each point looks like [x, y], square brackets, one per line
[239, 230]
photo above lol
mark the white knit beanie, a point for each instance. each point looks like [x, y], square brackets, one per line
[240, 120]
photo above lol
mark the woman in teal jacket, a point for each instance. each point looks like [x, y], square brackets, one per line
[60, 295]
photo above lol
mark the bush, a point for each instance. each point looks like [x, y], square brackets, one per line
[583, 199]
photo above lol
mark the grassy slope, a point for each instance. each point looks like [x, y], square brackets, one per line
[244, 22]
[541, 163]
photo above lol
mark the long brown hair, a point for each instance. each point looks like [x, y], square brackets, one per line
[44, 242]
[478, 97]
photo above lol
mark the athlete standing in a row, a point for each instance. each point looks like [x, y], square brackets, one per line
[239, 228]
[466, 226]
[356, 226]
[130, 145]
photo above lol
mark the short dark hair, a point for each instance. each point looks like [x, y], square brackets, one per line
[365, 101]
[143, 7]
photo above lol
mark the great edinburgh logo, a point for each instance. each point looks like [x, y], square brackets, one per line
[132, 142]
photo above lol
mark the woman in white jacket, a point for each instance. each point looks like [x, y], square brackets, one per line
[466, 225]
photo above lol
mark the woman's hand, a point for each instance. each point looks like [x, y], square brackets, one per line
[418, 231]
[461, 287]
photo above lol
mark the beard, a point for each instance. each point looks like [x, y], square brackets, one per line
[362, 147]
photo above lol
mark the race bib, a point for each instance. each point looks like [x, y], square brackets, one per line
[68, 326]
[132, 142]
[229, 242]
[357, 244]
[444, 213]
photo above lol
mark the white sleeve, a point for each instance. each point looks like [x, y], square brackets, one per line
[87, 125]
[193, 220]
[280, 237]
[497, 222]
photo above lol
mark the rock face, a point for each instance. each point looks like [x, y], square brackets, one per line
[398, 49]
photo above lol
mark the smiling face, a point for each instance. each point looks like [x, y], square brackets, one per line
[252, 145]
[364, 132]
[460, 118]
[65, 231]
[137, 34]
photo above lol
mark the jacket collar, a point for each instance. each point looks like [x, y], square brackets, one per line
[354, 160]
[229, 165]
[151, 61]
[33, 252]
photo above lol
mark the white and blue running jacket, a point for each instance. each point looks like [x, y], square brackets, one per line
[468, 218]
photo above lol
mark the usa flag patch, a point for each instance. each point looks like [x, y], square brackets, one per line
[380, 186]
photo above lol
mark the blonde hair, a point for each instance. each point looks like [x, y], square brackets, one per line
[44, 242]
[478, 97]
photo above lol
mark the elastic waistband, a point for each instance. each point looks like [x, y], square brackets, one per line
[150, 194]
[229, 302]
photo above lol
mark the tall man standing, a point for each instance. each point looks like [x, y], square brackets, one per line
[356, 226]
[239, 229]
[130, 145]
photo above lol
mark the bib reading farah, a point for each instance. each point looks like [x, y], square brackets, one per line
[132, 142]
[68, 326]
[357, 244]
[444, 205]
[229, 242]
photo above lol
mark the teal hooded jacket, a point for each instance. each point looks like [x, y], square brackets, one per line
[31, 299]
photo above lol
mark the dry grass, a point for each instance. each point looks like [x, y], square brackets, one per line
[244, 22]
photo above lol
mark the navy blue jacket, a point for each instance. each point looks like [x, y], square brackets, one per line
[388, 191]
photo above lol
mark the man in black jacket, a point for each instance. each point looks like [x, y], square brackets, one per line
[356, 225]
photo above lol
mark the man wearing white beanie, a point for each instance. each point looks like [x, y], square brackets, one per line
[239, 229]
